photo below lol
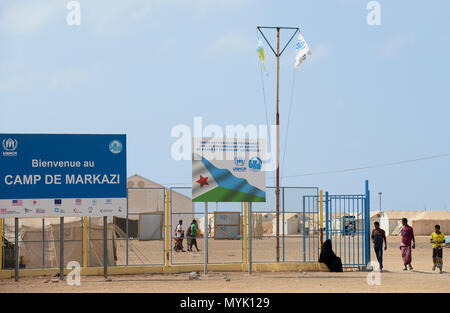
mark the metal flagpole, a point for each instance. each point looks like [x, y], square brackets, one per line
[278, 147]
[277, 190]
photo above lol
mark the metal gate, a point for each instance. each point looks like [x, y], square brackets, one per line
[311, 228]
[346, 223]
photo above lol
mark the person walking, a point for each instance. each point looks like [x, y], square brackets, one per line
[405, 246]
[437, 239]
[188, 237]
[193, 236]
[378, 237]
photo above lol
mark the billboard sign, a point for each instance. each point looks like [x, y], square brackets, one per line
[43, 175]
[228, 170]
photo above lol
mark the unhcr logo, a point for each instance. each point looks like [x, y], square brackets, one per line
[115, 146]
[255, 164]
[9, 147]
[240, 164]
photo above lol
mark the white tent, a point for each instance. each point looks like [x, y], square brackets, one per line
[291, 225]
[201, 224]
[390, 220]
[423, 224]
[146, 196]
[374, 217]
[267, 217]
[31, 235]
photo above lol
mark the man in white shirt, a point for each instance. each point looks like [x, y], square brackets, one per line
[179, 234]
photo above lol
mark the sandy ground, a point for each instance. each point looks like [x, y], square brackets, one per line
[393, 279]
[220, 251]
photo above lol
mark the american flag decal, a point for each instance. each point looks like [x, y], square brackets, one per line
[17, 202]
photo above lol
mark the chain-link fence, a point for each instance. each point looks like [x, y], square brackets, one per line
[298, 224]
[139, 238]
[225, 240]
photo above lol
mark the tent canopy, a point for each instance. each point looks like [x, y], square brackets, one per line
[432, 215]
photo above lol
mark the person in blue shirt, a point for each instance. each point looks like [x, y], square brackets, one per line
[378, 237]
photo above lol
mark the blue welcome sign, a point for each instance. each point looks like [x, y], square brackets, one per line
[62, 175]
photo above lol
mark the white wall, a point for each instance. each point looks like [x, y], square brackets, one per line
[291, 226]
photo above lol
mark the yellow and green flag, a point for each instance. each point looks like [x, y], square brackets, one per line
[260, 50]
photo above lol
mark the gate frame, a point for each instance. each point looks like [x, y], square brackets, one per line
[365, 214]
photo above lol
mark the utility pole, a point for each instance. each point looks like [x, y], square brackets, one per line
[277, 191]
[278, 55]
[380, 200]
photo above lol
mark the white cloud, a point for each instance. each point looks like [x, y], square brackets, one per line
[27, 17]
[105, 17]
[230, 44]
[15, 77]
[22, 17]
[395, 43]
[115, 18]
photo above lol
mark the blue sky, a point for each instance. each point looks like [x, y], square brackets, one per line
[368, 94]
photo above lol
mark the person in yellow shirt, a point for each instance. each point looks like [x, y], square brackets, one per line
[437, 239]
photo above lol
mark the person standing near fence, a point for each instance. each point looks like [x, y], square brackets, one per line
[378, 237]
[405, 245]
[437, 239]
[179, 237]
[193, 235]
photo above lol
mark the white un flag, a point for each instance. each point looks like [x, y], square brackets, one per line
[302, 49]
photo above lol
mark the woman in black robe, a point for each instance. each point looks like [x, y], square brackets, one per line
[328, 257]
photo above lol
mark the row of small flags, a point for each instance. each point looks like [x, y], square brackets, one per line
[57, 202]
[36, 202]
[301, 48]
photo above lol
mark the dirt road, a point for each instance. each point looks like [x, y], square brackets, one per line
[394, 279]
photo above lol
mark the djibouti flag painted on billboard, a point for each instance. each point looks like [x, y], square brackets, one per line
[228, 170]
